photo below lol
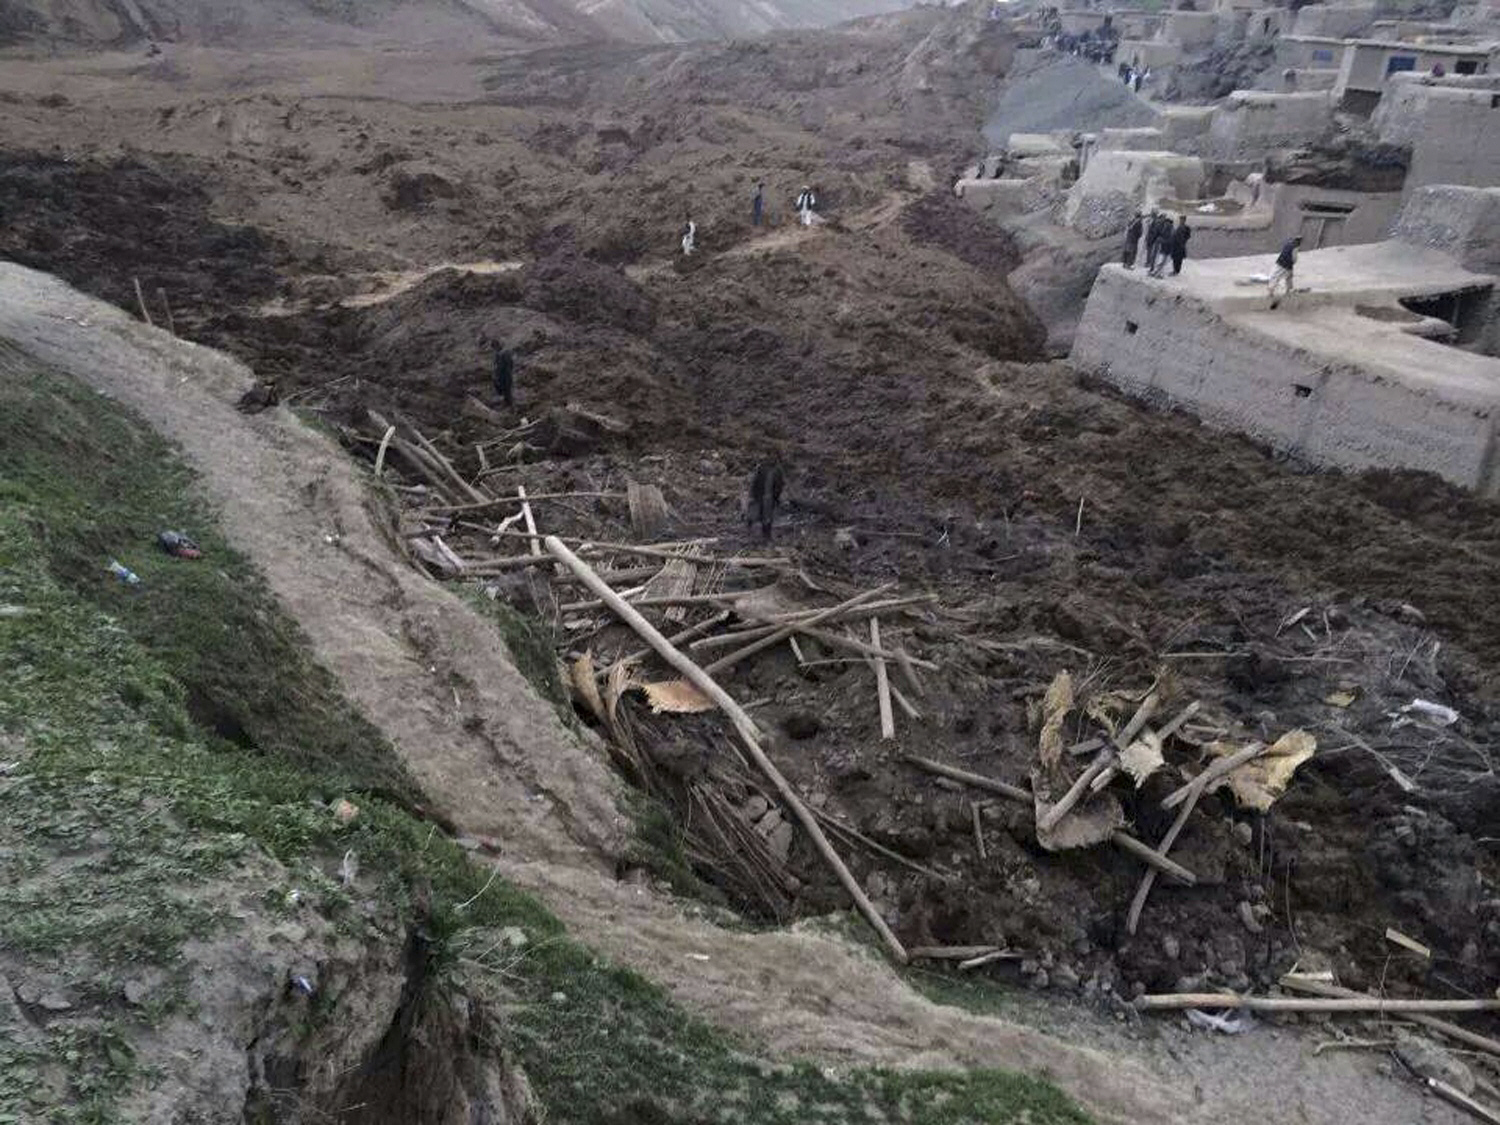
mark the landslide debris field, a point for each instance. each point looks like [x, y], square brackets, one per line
[879, 356]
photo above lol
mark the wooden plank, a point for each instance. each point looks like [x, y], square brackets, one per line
[882, 686]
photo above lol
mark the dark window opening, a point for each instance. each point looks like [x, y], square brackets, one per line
[1131, 328]
[1398, 63]
[1325, 208]
[1466, 310]
[1301, 391]
[1466, 66]
[1322, 54]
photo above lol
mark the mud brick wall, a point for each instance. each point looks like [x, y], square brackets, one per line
[1453, 130]
[1167, 346]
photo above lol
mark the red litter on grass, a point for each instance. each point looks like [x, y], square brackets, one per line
[179, 545]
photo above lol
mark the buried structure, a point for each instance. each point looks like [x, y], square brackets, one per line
[1376, 360]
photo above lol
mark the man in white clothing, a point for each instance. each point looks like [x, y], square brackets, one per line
[806, 201]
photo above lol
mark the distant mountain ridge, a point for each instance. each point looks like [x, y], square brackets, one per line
[229, 23]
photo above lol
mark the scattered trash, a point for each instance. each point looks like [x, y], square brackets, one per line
[1293, 619]
[1259, 782]
[1340, 698]
[303, 985]
[349, 868]
[1396, 937]
[677, 697]
[294, 897]
[697, 956]
[1142, 758]
[124, 573]
[345, 811]
[178, 545]
[1443, 716]
[1237, 1024]
[513, 936]
[13, 611]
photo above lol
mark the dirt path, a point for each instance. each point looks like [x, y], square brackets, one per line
[495, 757]
[379, 286]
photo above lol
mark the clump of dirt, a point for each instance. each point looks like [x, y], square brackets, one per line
[1349, 161]
[1220, 71]
[98, 224]
[578, 289]
[940, 220]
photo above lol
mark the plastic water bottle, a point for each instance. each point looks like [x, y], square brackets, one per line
[124, 573]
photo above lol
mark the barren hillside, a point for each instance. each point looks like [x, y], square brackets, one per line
[243, 24]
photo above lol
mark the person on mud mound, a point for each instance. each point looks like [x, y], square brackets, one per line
[766, 484]
[689, 237]
[807, 202]
[504, 376]
[1180, 235]
[1286, 262]
[758, 205]
[1132, 241]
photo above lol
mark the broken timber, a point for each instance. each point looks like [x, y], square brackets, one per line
[744, 727]
[1374, 1004]
[1120, 838]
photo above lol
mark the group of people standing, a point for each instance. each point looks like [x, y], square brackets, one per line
[1133, 76]
[1165, 242]
[806, 204]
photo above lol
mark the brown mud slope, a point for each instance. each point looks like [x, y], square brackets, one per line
[882, 358]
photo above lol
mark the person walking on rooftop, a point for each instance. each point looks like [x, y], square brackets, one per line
[806, 202]
[1286, 261]
[758, 205]
[1152, 234]
[1132, 241]
[1162, 228]
[1179, 240]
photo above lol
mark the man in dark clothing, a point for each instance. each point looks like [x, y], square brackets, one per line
[505, 374]
[758, 205]
[1180, 235]
[765, 495]
[1286, 261]
[1132, 240]
[1161, 229]
[1153, 240]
